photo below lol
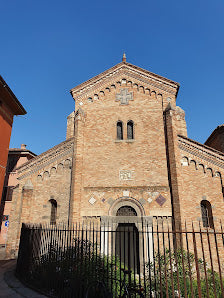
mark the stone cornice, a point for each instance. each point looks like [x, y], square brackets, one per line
[127, 69]
[46, 158]
[201, 151]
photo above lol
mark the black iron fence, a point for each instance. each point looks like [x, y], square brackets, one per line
[144, 259]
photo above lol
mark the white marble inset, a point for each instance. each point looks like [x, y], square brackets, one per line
[92, 200]
[126, 193]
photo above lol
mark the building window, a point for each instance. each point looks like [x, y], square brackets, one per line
[126, 211]
[206, 214]
[7, 193]
[130, 130]
[53, 212]
[119, 130]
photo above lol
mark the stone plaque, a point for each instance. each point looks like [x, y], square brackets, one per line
[124, 96]
[160, 200]
[126, 175]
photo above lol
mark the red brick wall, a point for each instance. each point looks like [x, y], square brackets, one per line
[5, 132]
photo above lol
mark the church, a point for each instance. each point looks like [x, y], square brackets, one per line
[126, 153]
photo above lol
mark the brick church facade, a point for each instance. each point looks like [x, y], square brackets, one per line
[126, 150]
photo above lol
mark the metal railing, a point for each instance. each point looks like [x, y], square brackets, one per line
[164, 260]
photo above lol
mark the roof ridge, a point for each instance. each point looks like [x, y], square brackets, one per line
[202, 145]
[120, 65]
[38, 157]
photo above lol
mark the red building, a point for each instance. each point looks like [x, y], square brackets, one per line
[9, 106]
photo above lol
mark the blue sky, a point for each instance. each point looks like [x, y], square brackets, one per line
[49, 47]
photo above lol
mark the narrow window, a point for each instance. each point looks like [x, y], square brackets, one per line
[53, 212]
[119, 130]
[130, 130]
[206, 214]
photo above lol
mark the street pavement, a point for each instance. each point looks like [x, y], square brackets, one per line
[10, 286]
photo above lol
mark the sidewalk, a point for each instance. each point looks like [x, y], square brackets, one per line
[10, 286]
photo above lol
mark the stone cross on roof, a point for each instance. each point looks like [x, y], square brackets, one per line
[124, 96]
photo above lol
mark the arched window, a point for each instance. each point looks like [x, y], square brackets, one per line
[130, 130]
[206, 214]
[126, 211]
[120, 130]
[53, 211]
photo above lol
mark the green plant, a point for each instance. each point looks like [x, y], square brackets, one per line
[171, 272]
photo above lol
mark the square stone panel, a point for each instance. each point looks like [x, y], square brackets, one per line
[160, 200]
[92, 200]
[125, 193]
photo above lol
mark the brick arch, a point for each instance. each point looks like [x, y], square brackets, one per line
[193, 163]
[127, 201]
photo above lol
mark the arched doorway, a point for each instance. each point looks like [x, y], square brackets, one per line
[127, 240]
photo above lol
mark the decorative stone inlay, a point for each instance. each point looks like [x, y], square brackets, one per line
[110, 201]
[149, 200]
[126, 175]
[126, 193]
[103, 200]
[142, 201]
[160, 200]
[155, 194]
[124, 96]
[92, 200]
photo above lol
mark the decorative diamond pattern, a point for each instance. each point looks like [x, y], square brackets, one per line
[92, 200]
[103, 200]
[142, 201]
[110, 201]
[160, 200]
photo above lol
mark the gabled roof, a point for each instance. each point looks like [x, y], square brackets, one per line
[21, 151]
[126, 68]
[45, 158]
[11, 100]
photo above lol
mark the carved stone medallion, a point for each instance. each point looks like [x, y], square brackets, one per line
[124, 96]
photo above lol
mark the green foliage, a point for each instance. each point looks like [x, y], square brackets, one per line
[61, 272]
[175, 272]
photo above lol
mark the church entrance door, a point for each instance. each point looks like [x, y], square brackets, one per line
[127, 246]
[127, 240]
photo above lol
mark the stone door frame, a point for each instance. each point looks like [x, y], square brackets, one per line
[143, 224]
